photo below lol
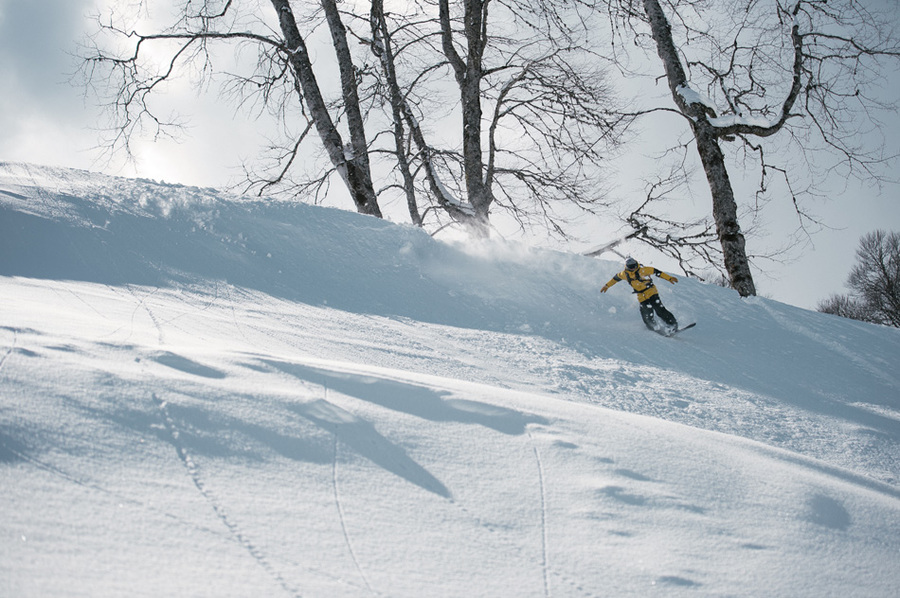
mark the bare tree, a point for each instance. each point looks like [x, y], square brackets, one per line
[846, 307]
[130, 77]
[533, 106]
[534, 112]
[383, 48]
[875, 279]
[535, 115]
[874, 282]
[794, 71]
[411, 148]
[358, 174]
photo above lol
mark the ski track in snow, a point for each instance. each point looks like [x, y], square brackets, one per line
[228, 292]
[545, 565]
[142, 304]
[543, 550]
[12, 346]
[236, 532]
[340, 511]
[233, 528]
[118, 496]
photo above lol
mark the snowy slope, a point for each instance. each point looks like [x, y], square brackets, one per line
[203, 395]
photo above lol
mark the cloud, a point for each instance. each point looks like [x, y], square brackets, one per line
[39, 106]
[36, 43]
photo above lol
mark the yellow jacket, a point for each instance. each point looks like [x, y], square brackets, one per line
[640, 280]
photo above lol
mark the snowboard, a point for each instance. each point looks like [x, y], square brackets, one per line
[665, 332]
[682, 329]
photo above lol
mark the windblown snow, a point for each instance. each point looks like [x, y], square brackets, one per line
[208, 395]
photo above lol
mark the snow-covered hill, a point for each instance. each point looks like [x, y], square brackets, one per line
[203, 395]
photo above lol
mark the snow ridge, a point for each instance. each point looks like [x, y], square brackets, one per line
[358, 409]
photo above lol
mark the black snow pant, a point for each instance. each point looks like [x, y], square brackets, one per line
[651, 309]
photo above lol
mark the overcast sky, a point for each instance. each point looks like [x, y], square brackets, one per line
[44, 119]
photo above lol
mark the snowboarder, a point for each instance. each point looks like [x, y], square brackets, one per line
[639, 277]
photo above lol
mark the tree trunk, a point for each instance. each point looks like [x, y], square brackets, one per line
[734, 251]
[469, 73]
[365, 194]
[353, 168]
[382, 47]
[724, 206]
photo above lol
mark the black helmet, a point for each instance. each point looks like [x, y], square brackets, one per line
[631, 263]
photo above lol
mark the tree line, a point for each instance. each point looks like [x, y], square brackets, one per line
[874, 282]
[528, 88]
